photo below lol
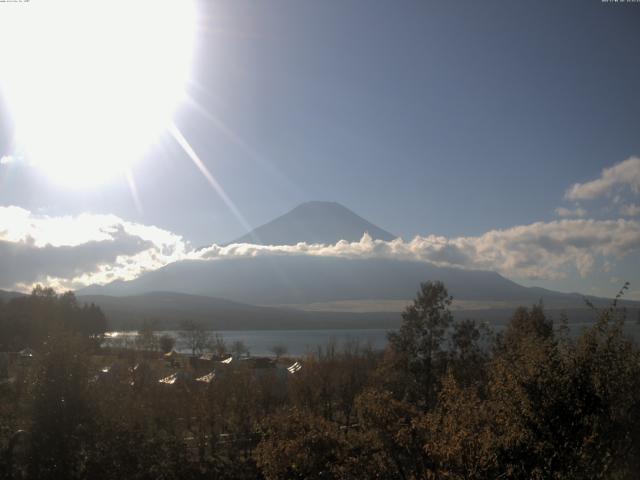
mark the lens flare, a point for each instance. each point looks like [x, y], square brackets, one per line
[91, 84]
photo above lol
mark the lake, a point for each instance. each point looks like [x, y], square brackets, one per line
[260, 342]
[301, 342]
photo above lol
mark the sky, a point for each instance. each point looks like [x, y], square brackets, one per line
[505, 132]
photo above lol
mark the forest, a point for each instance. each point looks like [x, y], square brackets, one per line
[446, 400]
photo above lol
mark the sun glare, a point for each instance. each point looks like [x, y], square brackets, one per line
[91, 84]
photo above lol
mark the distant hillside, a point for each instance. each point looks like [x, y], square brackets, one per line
[7, 295]
[166, 310]
[314, 222]
[282, 280]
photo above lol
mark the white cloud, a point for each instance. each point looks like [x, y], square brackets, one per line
[6, 159]
[630, 210]
[539, 250]
[71, 252]
[571, 212]
[623, 174]
[68, 252]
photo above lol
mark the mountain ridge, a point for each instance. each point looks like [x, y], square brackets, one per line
[283, 280]
[279, 280]
[314, 222]
[166, 310]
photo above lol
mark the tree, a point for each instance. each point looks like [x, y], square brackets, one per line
[62, 411]
[195, 336]
[279, 350]
[461, 439]
[239, 348]
[147, 338]
[27, 321]
[298, 445]
[528, 324]
[166, 342]
[416, 349]
[468, 351]
[218, 345]
[566, 409]
[394, 439]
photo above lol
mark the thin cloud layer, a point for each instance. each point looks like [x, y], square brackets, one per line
[24, 263]
[630, 210]
[537, 251]
[106, 248]
[620, 176]
[71, 252]
[75, 251]
[571, 212]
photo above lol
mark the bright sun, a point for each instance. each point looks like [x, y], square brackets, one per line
[91, 84]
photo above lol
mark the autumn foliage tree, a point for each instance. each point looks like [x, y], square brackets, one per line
[416, 350]
[447, 399]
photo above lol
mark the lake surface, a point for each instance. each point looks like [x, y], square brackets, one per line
[302, 342]
[260, 342]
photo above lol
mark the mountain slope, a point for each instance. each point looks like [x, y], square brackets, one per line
[312, 283]
[306, 279]
[6, 295]
[314, 222]
[166, 310]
